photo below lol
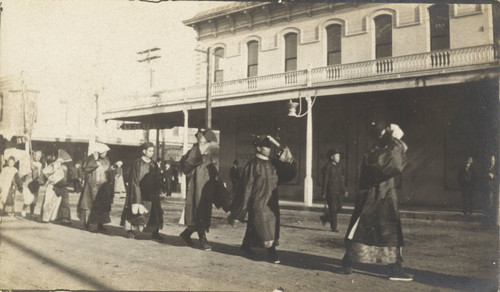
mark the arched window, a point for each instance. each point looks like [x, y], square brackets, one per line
[439, 16]
[253, 58]
[218, 72]
[383, 36]
[334, 44]
[290, 52]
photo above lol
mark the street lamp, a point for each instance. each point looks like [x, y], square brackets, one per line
[292, 112]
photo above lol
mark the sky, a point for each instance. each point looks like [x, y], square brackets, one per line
[68, 47]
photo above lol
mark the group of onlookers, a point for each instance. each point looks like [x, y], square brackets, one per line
[484, 181]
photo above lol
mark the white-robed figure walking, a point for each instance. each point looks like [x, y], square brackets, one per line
[55, 204]
[10, 182]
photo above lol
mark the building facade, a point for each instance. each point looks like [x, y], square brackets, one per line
[432, 69]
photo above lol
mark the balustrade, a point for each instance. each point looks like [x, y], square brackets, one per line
[343, 72]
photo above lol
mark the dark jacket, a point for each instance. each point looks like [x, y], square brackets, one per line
[333, 180]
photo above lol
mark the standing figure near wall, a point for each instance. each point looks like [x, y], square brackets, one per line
[142, 210]
[167, 178]
[490, 190]
[333, 188]
[200, 165]
[120, 190]
[234, 174]
[466, 180]
[96, 198]
[374, 234]
[261, 177]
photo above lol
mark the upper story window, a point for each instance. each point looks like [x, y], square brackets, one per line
[290, 52]
[334, 44]
[383, 36]
[253, 58]
[218, 72]
[439, 16]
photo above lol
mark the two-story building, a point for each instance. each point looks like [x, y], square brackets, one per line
[432, 69]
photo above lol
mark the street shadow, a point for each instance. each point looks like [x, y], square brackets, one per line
[322, 263]
[326, 229]
[74, 273]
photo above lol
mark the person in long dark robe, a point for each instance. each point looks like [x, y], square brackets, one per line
[200, 164]
[259, 198]
[167, 179]
[467, 179]
[142, 210]
[333, 188]
[234, 175]
[97, 195]
[374, 234]
[490, 190]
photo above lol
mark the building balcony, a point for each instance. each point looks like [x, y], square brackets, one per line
[417, 65]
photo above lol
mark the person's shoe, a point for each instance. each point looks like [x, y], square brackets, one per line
[130, 234]
[65, 222]
[186, 236]
[102, 229]
[156, 236]
[396, 273]
[347, 270]
[272, 255]
[204, 243]
[335, 230]
[247, 250]
[324, 220]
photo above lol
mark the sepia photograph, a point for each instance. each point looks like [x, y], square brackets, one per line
[285, 145]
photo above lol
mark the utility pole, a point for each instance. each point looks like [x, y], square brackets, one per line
[148, 59]
[208, 110]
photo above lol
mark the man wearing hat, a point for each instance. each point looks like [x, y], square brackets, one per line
[96, 198]
[142, 210]
[260, 180]
[333, 187]
[200, 164]
[374, 234]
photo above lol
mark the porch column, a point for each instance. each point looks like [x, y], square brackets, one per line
[158, 143]
[185, 148]
[308, 181]
[498, 157]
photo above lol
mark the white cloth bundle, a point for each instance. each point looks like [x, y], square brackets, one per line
[139, 209]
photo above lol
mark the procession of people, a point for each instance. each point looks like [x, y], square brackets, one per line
[373, 235]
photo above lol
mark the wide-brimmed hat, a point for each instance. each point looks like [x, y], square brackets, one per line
[262, 141]
[333, 151]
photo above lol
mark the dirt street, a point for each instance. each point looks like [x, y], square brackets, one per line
[443, 256]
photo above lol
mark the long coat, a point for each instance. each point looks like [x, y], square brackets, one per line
[375, 221]
[144, 189]
[333, 184]
[199, 170]
[259, 197]
[97, 195]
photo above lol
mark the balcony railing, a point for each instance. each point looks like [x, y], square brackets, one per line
[444, 59]
[405, 64]
[267, 82]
